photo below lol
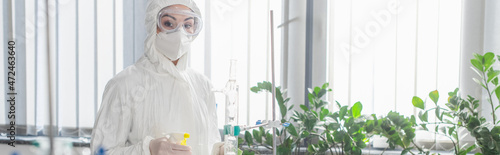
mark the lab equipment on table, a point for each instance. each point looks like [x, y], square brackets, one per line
[266, 124]
[231, 91]
[231, 133]
[272, 81]
[231, 129]
[101, 151]
[62, 146]
[231, 139]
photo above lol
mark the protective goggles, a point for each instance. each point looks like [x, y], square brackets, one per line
[171, 20]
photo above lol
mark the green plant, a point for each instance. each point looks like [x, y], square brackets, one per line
[262, 137]
[483, 66]
[338, 132]
[446, 123]
[460, 113]
[487, 134]
[398, 129]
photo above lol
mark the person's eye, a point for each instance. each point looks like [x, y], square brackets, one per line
[168, 24]
[187, 25]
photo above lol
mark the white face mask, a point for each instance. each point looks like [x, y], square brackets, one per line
[173, 45]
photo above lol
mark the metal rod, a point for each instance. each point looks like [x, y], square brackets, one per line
[308, 51]
[273, 82]
[51, 134]
[244, 128]
[251, 127]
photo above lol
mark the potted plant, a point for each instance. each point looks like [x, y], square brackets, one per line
[463, 113]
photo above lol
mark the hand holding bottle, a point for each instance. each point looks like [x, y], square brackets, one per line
[162, 146]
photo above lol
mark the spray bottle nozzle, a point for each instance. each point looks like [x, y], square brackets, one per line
[178, 138]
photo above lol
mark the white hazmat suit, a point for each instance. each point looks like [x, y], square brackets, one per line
[155, 97]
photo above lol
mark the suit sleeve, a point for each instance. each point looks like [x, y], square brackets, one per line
[212, 111]
[113, 124]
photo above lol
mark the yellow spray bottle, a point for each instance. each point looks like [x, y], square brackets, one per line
[178, 138]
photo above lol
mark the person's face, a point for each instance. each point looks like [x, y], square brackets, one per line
[170, 21]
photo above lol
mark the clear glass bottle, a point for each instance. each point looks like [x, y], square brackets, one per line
[231, 139]
[231, 92]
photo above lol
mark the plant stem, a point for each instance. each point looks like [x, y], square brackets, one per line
[443, 123]
[383, 151]
[404, 146]
[455, 145]
[418, 148]
[342, 147]
[298, 145]
[489, 97]
[323, 139]
[458, 139]
[261, 144]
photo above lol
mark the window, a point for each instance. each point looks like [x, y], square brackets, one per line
[91, 41]
[385, 52]
[381, 53]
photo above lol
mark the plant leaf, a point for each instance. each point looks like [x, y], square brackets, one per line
[283, 109]
[310, 91]
[325, 85]
[304, 134]
[413, 120]
[438, 112]
[477, 56]
[492, 75]
[417, 102]
[255, 89]
[479, 82]
[248, 138]
[424, 117]
[269, 139]
[286, 100]
[257, 136]
[342, 112]
[495, 130]
[497, 93]
[291, 129]
[434, 95]
[488, 60]
[451, 130]
[424, 126]
[405, 151]
[316, 90]
[356, 109]
[323, 113]
[321, 93]
[311, 99]
[338, 104]
[477, 72]
[495, 81]
[248, 152]
[477, 64]
[262, 131]
[304, 107]
[311, 148]
[291, 107]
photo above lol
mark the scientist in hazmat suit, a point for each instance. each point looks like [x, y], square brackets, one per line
[159, 94]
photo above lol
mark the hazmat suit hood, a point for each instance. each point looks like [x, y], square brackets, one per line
[162, 63]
